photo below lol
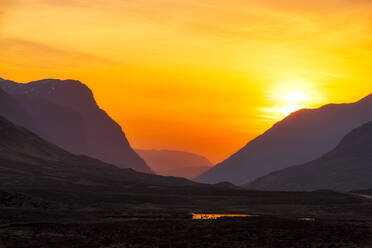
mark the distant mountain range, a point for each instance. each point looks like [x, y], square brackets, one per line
[175, 163]
[65, 113]
[347, 167]
[299, 138]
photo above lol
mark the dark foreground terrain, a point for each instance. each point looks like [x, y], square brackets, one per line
[154, 218]
[254, 232]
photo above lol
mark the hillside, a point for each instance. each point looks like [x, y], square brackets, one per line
[27, 161]
[299, 138]
[347, 167]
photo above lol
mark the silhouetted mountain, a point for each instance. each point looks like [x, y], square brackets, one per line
[299, 138]
[175, 163]
[27, 161]
[13, 111]
[67, 115]
[347, 167]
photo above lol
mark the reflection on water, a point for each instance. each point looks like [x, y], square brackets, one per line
[306, 219]
[216, 216]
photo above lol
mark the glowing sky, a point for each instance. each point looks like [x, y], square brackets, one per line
[204, 76]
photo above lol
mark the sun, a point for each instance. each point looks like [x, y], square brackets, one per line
[293, 101]
[286, 97]
[295, 96]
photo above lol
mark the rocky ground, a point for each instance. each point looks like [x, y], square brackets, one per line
[149, 220]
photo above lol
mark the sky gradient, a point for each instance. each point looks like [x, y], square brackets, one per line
[200, 76]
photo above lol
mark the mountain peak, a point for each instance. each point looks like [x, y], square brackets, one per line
[71, 93]
[59, 83]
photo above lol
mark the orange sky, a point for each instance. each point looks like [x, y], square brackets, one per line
[201, 76]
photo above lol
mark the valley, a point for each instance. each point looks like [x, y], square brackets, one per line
[52, 195]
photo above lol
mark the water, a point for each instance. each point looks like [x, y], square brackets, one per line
[306, 219]
[217, 216]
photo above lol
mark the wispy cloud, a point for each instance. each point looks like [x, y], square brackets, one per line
[5, 6]
[43, 55]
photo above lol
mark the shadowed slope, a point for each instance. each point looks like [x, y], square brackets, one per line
[69, 117]
[27, 161]
[11, 109]
[301, 137]
[347, 167]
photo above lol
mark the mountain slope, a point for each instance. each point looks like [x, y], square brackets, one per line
[301, 137]
[13, 111]
[27, 161]
[175, 163]
[347, 167]
[68, 116]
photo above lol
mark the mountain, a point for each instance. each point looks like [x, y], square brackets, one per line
[299, 138]
[175, 163]
[65, 113]
[29, 162]
[347, 167]
[13, 111]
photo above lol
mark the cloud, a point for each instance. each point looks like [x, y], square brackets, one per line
[29, 53]
[73, 3]
[5, 6]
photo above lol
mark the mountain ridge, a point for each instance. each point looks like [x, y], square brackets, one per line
[300, 137]
[68, 107]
